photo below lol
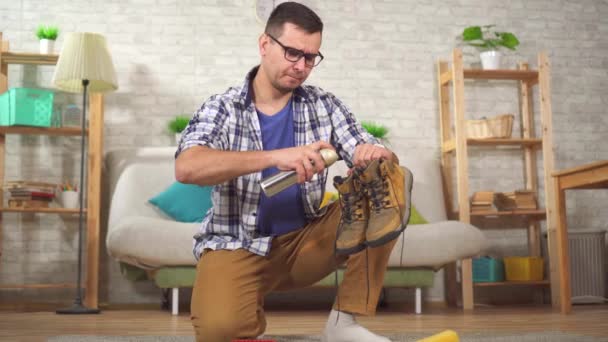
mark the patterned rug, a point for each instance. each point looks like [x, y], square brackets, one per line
[553, 336]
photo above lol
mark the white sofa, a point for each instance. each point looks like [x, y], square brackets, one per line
[138, 234]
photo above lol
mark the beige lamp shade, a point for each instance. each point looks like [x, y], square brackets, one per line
[85, 56]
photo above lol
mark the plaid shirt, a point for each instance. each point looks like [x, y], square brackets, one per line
[229, 122]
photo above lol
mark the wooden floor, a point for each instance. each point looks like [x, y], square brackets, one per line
[37, 326]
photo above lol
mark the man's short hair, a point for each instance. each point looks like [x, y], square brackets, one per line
[294, 13]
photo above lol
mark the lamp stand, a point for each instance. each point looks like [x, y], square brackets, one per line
[78, 308]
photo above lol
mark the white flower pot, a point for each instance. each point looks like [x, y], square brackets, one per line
[70, 199]
[490, 60]
[46, 46]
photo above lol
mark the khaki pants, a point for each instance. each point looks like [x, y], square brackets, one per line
[228, 294]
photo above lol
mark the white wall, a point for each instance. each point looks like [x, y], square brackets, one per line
[380, 59]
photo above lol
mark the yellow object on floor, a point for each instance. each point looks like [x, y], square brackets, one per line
[444, 336]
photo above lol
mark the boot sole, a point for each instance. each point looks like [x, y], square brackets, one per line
[352, 250]
[409, 182]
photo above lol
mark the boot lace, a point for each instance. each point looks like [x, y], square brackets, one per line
[377, 191]
[352, 207]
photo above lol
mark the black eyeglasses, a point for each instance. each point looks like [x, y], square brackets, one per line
[294, 55]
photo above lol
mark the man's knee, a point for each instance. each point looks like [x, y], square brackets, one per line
[224, 325]
[215, 327]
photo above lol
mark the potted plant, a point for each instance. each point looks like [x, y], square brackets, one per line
[377, 130]
[489, 41]
[177, 125]
[47, 36]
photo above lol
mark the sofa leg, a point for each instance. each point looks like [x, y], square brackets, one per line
[382, 300]
[164, 299]
[418, 301]
[174, 301]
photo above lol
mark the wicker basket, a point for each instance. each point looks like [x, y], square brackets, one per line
[500, 126]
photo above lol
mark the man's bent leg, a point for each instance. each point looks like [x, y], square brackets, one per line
[312, 257]
[227, 297]
[363, 268]
[310, 254]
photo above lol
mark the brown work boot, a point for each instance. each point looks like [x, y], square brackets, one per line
[351, 230]
[389, 190]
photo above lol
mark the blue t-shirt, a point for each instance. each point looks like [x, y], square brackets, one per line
[283, 212]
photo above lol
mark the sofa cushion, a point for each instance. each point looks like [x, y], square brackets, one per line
[424, 245]
[427, 191]
[184, 202]
[138, 235]
[149, 242]
[436, 244]
[133, 176]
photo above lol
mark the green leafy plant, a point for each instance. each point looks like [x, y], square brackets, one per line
[178, 124]
[486, 38]
[378, 131]
[47, 32]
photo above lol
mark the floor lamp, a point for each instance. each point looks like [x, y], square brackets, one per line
[84, 65]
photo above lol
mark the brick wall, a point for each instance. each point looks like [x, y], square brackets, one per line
[380, 59]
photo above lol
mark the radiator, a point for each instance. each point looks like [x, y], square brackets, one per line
[587, 265]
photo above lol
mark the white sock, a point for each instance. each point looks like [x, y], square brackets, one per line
[346, 329]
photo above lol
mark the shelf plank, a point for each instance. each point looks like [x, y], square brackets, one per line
[449, 146]
[505, 141]
[28, 58]
[514, 283]
[39, 286]
[517, 212]
[506, 74]
[55, 131]
[42, 210]
[533, 213]
[580, 169]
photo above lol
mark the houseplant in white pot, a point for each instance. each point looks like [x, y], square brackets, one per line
[47, 36]
[177, 125]
[489, 41]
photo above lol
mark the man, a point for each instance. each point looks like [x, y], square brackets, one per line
[250, 244]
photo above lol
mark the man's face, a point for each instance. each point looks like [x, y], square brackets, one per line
[283, 74]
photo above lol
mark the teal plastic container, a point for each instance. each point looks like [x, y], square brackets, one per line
[488, 269]
[26, 107]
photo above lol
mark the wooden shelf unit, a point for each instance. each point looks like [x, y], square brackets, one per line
[530, 213]
[56, 131]
[450, 145]
[42, 210]
[514, 283]
[39, 286]
[455, 146]
[94, 136]
[28, 58]
[530, 76]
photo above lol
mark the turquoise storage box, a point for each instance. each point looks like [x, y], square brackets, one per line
[487, 269]
[26, 107]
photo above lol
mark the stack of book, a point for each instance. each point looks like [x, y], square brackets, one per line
[519, 199]
[27, 194]
[482, 201]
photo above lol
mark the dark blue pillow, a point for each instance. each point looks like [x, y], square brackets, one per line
[184, 202]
